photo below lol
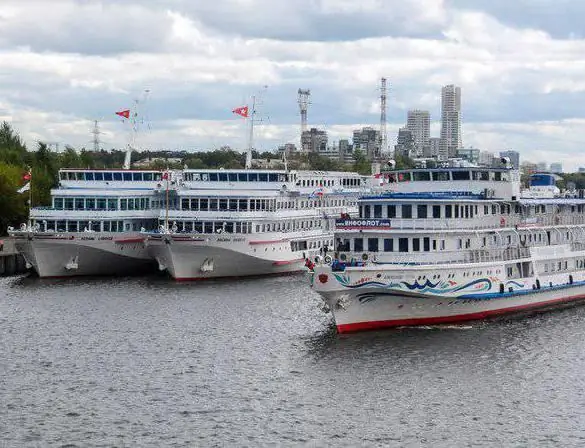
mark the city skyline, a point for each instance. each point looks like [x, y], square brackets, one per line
[200, 61]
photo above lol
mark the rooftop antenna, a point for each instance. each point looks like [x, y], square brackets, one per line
[383, 130]
[304, 101]
[96, 136]
[135, 122]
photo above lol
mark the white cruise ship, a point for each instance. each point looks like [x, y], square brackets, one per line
[94, 224]
[232, 223]
[452, 245]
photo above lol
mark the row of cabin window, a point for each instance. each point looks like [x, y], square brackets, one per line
[328, 182]
[305, 245]
[96, 226]
[101, 203]
[557, 266]
[237, 205]
[235, 227]
[389, 245]
[108, 176]
[235, 177]
[443, 175]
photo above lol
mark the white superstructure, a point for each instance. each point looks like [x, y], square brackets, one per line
[93, 225]
[231, 223]
[452, 245]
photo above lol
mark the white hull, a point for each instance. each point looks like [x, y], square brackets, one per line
[83, 254]
[365, 305]
[197, 258]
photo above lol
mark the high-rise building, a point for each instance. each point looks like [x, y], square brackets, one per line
[368, 141]
[451, 139]
[542, 166]
[514, 157]
[314, 140]
[404, 143]
[433, 148]
[418, 122]
[486, 158]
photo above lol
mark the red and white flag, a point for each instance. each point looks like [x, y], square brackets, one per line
[241, 111]
[124, 113]
[165, 175]
[27, 175]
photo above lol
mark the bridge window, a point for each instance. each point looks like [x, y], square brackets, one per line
[388, 245]
[358, 245]
[147, 177]
[406, 211]
[69, 203]
[213, 177]
[88, 176]
[421, 211]
[441, 175]
[391, 210]
[58, 203]
[243, 177]
[90, 204]
[117, 176]
[372, 244]
[79, 204]
[185, 204]
[127, 176]
[366, 211]
[263, 177]
[436, 211]
[112, 204]
[460, 175]
[233, 177]
[99, 176]
[223, 177]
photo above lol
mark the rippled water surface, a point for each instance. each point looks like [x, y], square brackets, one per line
[147, 362]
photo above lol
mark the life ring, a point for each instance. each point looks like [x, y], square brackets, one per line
[502, 221]
[328, 259]
[365, 257]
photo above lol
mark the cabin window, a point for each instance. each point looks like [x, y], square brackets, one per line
[243, 204]
[460, 175]
[421, 211]
[263, 177]
[421, 175]
[498, 176]
[90, 204]
[358, 245]
[204, 204]
[377, 211]
[416, 244]
[436, 211]
[403, 244]
[58, 203]
[223, 205]
[441, 176]
[79, 204]
[391, 209]
[456, 207]
[366, 211]
[233, 177]
[185, 204]
[252, 177]
[88, 176]
[101, 204]
[98, 176]
[406, 211]
[243, 177]
[273, 177]
[147, 177]
[372, 244]
[233, 205]
[112, 204]
[222, 177]
[388, 245]
[448, 211]
[426, 244]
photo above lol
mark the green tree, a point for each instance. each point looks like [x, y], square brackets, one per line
[13, 208]
[361, 164]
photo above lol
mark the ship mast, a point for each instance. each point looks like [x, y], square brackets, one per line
[251, 137]
[134, 122]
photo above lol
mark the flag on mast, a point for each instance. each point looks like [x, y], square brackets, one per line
[124, 113]
[27, 176]
[25, 187]
[241, 111]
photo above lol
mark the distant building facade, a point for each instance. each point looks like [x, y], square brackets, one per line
[556, 168]
[368, 141]
[404, 143]
[469, 154]
[451, 139]
[314, 140]
[418, 122]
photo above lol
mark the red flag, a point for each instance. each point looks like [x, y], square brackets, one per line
[241, 111]
[165, 175]
[124, 113]
[26, 176]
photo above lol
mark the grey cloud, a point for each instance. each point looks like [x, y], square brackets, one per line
[562, 19]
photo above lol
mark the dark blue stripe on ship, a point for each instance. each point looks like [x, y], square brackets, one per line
[497, 295]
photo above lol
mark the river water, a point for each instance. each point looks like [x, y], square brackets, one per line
[148, 362]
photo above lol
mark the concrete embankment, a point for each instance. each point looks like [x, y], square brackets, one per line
[11, 262]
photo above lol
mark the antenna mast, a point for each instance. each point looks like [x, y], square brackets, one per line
[383, 130]
[303, 100]
[251, 138]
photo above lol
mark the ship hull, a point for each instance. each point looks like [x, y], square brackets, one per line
[193, 259]
[79, 255]
[360, 308]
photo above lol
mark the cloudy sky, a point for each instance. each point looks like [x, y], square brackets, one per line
[520, 63]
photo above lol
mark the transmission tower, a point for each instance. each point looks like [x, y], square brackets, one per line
[96, 136]
[303, 100]
[383, 130]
